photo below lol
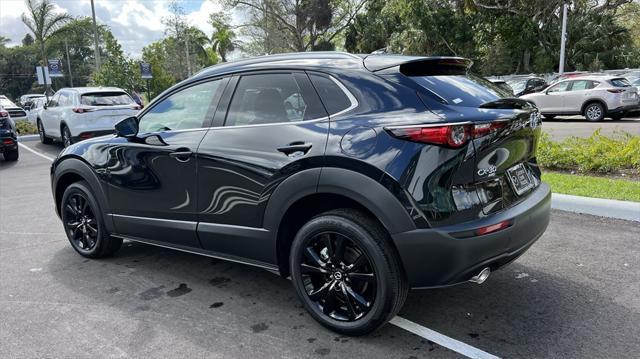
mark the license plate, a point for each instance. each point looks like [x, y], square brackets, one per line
[519, 178]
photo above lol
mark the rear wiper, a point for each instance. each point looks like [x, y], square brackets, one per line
[510, 103]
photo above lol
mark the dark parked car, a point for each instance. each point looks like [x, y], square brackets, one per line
[357, 176]
[8, 136]
[527, 85]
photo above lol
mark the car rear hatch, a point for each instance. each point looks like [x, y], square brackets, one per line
[105, 109]
[498, 168]
[628, 94]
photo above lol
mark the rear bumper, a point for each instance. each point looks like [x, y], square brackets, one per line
[433, 257]
[630, 109]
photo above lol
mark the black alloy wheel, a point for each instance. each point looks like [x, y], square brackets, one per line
[83, 224]
[80, 222]
[346, 273]
[338, 277]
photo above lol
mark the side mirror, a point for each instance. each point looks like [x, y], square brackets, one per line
[127, 128]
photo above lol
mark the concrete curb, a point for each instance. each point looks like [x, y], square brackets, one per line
[27, 138]
[597, 206]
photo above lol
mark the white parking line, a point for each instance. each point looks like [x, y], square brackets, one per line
[35, 152]
[441, 339]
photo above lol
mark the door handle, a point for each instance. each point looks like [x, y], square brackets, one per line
[294, 147]
[181, 154]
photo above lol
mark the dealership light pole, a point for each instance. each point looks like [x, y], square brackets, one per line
[95, 37]
[563, 39]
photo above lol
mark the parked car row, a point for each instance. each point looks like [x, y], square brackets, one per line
[594, 96]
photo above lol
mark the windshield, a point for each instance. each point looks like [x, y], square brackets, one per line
[106, 99]
[517, 86]
[462, 90]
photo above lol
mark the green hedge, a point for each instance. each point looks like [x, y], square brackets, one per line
[25, 127]
[597, 153]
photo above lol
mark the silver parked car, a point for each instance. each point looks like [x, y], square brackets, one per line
[595, 97]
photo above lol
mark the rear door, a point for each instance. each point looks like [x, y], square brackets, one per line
[273, 127]
[576, 94]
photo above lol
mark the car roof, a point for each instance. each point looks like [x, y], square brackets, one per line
[83, 90]
[592, 77]
[318, 59]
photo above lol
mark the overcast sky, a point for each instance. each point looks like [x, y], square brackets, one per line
[135, 23]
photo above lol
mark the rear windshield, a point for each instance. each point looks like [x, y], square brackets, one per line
[106, 99]
[620, 83]
[462, 90]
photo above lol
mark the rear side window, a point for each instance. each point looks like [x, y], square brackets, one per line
[106, 99]
[620, 82]
[462, 90]
[268, 98]
[334, 99]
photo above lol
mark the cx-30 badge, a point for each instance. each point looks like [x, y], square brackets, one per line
[487, 171]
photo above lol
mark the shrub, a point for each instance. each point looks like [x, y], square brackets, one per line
[25, 127]
[597, 153]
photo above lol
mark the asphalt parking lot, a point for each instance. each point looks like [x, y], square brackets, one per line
[562, 127]
[574, 294]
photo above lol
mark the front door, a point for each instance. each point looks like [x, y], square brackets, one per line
[275, 127]
[153, 177]
[553, 100]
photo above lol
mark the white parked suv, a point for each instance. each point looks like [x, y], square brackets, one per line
[75, 114]
[595, 97]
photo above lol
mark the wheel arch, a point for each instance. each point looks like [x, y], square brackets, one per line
[592, 100]
[309, 193]
[70, 170]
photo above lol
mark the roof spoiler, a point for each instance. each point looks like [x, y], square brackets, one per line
[419, 65]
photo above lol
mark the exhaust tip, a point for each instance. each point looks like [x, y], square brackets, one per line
[481, 277]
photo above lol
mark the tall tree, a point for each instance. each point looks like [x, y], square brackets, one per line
[43, 22]
[305, 24]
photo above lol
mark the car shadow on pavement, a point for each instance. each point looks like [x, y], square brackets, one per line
[211, 304]
[4, 164]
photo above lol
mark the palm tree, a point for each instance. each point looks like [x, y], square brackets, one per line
[43, 23]
[223, 38]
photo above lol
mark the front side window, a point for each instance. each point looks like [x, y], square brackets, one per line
[54, 100]
[187, 109]
[561, 87]
[266, 98]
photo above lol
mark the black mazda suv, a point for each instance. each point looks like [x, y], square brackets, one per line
[359, 177]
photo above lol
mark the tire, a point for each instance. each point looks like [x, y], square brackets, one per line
[65, 136]
[43, 136]
[549, 117]
[367, 273]
[83, 223]
[594, 112]
[11, 155]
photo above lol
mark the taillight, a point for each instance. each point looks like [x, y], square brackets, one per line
[7, 141]
[453, 135]
[82, 109]
[616, 90]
